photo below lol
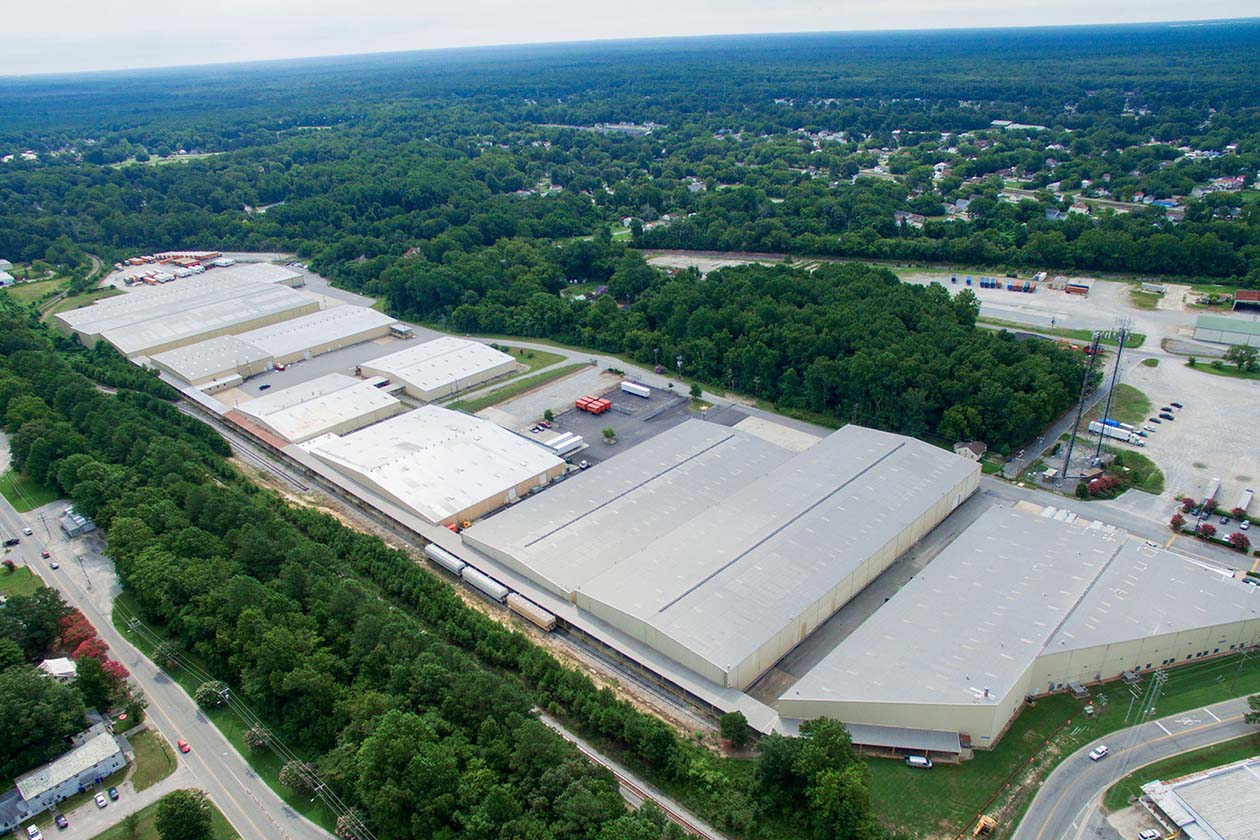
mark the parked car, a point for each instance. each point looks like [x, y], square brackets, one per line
[1099, 752]
[183, 746]
[583, 464]
[113, 793]
[54, 565]
[920, 761]
[1167, 408]
[1149, 834]
[1177, 405]
[33, 833]
[61, 821]
[45, 554]
[1155, 420]
[264, 386]
[1224, 520]
[1246, 523]
[101, 801]
[27, 531]
[11, 541]
[1167, 417]
[1148, 428]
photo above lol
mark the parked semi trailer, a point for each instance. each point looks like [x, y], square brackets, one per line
[530, 611]
[1244, 501]
[636, 389]
[1097, 428]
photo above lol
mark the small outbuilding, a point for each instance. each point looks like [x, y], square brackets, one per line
[972, 450]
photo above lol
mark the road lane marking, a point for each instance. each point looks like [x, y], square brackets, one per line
[1212, 713]
[1045, 825]
[1160, 724]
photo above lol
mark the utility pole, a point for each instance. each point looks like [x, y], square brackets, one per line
[1080, 408]
[1115, 380]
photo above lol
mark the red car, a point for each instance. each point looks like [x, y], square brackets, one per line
[45, 554]
[183, 746]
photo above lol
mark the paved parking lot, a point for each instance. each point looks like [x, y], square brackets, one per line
[647, 418]
[1212, 437]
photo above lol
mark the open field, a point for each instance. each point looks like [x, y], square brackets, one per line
[266, 764]
[1129, 405]
[146, 829]
[31, 292]
[1226, 752]
[499, 395]
[945, 800]
[1132, 341]
[23, 493]
[532, 359]
[80, 301]
[20, 581]
[1144, 300]
[1227, 370]
[155, 760]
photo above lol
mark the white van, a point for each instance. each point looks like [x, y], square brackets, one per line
[919, 761]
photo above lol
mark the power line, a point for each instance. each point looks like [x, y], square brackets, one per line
[348, 820]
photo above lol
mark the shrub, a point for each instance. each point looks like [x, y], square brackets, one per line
[1239, 541]
[1082, 490]
[1176, 522]
[1207, 530]
[210, 694]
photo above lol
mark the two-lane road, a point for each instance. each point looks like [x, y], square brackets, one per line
[253, 809]
[1061, 808]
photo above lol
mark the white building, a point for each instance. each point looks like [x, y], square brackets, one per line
[332, 404]
[1216, 804]
[60, 669]
[1021, 604]
[441, 367]
[722, 550]
[37, 791]
[442, 465]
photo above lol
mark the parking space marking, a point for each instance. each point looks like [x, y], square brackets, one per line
[1160, 724]
[1213, 714]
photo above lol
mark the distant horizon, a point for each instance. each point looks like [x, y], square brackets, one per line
[204, 45]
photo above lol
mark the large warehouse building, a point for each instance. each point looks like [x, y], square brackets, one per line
[152, 320]
[1022, 603]
[441, 367]
[444, 466]
[332, 404]
[1228, 329]
[1217, 804]
[225, 360]
[721, 550]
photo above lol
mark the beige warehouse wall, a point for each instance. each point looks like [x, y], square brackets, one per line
[446, 389]
[334, 344]
[979, 720]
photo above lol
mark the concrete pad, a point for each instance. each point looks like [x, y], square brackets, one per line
[791, 439]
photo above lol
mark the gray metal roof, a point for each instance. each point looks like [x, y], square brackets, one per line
[1217, 804]
[900, 738]
[595, 520]
[979, 615]
[442, 362]
[318, 328]
[211, 358]
[81, 758]
[320, 406]
[738, 559]
[1147, 591]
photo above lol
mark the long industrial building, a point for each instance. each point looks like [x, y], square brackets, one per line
[1022, 603]
[332, 404]
[1228, 329]
[441, 367]
[225, 360]
[153, 320]
[721, 550]
[444, 466]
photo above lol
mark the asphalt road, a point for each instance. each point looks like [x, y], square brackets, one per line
[1065, 803]
[86, 581]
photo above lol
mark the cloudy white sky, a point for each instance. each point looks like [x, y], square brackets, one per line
[42, 36]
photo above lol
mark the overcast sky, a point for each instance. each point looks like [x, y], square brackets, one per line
[43, 36]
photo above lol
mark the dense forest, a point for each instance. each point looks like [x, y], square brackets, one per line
[348, 648]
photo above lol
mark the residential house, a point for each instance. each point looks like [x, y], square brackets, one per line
[60, 669]
[972, 450]
[96, 754]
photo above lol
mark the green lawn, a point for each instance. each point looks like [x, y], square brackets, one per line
[945, 800]
[532, 359]
[266, 764]
[990, 468]
[1134, 340]
[1142, 472]
[1226, 752]
[146, 830]
[1128, 405]
[514, 389]
[1226, 370]
[155, 760]
[1144, 300]
[80, 301]
[20, 581]
[24, 494]
[1150, 363]
[31, 292]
